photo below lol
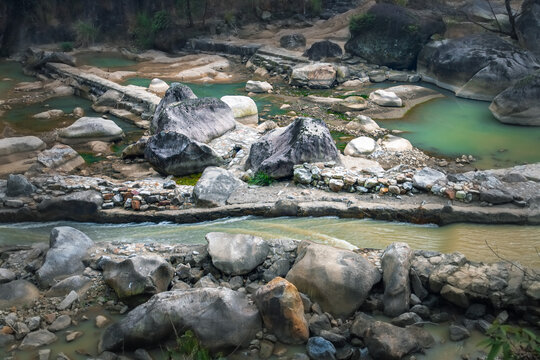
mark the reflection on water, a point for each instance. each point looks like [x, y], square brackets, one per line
[517, 243]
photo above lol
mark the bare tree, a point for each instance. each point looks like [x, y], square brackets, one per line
[512, 16]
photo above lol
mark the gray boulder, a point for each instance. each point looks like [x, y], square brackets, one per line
[61, 158]
[17, 293]
[6, 275]
[109, 98]
[176, 154]
[236, 254]
[305, 140]
[392, 35]
[215, 186]
[37, 339]
[199, 119]
[18, 185]
[80, 205]
[396, 262]
[138, 278]
[338, 280]
[528, 26]
[221, 319]
[78, 283]
[323, 49]
[518, 104]
[88, 129]
[427, 177]
[68, 247]
[22, 144]
[476, 67]
[175, 93]
[35, 58]
[292, 41]
[314, 76]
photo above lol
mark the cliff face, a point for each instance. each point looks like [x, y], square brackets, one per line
[27, 22]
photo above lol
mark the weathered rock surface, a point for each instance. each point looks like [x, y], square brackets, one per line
[518, 104]
[323, 49]
[258, 86]
[68, 247]
[319, 348]
[35, 58]
[49, 114]
[427, 177]
[37, 339]
[343, 278]
[6, 275]
[395, 144]
[61, 158]
[138, 278]
[314, 76]
[77, 205]
[360, 146]
[292, 41]
[244, 109]
[88, 129]
[221, 319]
[528, 26]
[17, 293]
[176, 154]
[305, 140]
[392, 35]
[215, 186]
[78, 283]
[385, 98]
[396, 262]
[16, 145]
[476, 67]
[282, 311]
[236, 254]
[158, 86]
[18, 185]
[175, 93]
[199, 119]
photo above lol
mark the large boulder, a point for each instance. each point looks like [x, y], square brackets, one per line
[305, 140]
[158, 86]
[392, 35]
[244, 109]
[222, 319]
[360, 146]
[88, 129]
[17, 293]
[176, 154]
[396, 263]
[15, 147]
[258, 86]
[60, 158]
[385, 98]
[18, 185]
[339, 280]
[395, 144]
[282, 310]
[292, 41]
[528, 26]
[199, 119]
[236, 254]
[389, 342]
[427, 177]
[214, 187]
[175, 93]
[80, 205]
[518, 104]
[323, 49]
[68, 248]
[35, 58]
[109, 98]
[37, 339]
[314, 76]
[476, 67]
[138, 278]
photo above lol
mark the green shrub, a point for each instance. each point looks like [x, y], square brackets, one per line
[261, 178]
[230, 18]
[86, 33]
[359, 23]
[315, 7]
[66, 46]
[146, 27]
[515, 343]
[161, 21]
[190, 180]
[188, 348]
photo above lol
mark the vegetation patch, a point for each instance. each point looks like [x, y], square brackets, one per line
[188, 348]
[261, 178]
[190, 180]
[359, 23]
[86, 33]
[513, 342]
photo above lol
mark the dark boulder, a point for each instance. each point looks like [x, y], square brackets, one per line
[528, 26]
[292, 41]
[81, 205]
[18, 293]
[476, 67]
[519, 104]
[322, 50]
[305, 140]
[319, 348]
[199, 119]
[175, 93]
[36, 58]
[176, 154]
[18, 185]
[392, 35]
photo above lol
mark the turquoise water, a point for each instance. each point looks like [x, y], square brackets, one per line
[104, 60]
[511, 242]
[10, 74]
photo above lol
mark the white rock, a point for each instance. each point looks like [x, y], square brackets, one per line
[258, 86]
[315, 76]
[362, 145]
[385, 98]
[90, 128]
[15, 145]
[244, 109]
[158, 86]
[50, 114]
[396, 144]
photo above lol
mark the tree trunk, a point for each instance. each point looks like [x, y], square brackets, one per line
[188, 13]
[512, 19]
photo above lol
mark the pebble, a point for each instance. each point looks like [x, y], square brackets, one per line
[73, 335]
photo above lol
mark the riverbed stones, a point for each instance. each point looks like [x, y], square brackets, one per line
[68, 247]
[325, 49]
[17, 293]
[78, 283]
[518, 104]
[385, 98]
[319, 348]
[200, 120]
[77, 205]
[176, 154]
[258, 86]
[88, 129]
[6, 275]
[396, 262]
[455, 295]
[18, 185]
[304, 140]
[138, 278]
[37, 339]
[222, 319]
[360, 146]
[19, 147]
[314, 76]
[60, 323]
[292, 41]
[476, 66]
[215, 186]
[49, 114]
[343, 278]
[244, 109]
[60, 158]
[392, 35]
[395, 144]
[427, 177]
[158, 86]
[236, 254]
